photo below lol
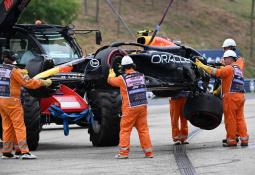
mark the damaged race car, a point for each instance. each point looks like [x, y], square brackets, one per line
[168, 70]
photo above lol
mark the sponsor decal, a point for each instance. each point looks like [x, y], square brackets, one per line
[168, 58]
[94, 63]
[136, 89]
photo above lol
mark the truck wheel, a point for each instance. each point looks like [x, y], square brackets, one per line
[106, 107]
[32, 119]
[204, 111]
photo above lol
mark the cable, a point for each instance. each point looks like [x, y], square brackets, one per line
[161, 21]
[109, 2]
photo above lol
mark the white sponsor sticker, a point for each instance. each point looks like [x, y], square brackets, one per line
[5, 73]
[70, 104]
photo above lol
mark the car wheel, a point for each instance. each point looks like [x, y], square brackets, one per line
[204, 111]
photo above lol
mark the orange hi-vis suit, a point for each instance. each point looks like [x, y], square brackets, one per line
[11, 110]
[179, 133]
[240, 62]
[233, 102]
[134, 110]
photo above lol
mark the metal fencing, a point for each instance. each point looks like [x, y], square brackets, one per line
[249, 85]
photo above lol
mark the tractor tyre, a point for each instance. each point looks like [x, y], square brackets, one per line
[106, 108]
[32, 119]
[204, 111]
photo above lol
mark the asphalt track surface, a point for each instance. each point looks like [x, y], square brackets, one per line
[74, 154]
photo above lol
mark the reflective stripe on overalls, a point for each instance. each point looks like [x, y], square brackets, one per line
[7, 147]
[244, 139]
[123, 151]
[23, 146]
[147, 150]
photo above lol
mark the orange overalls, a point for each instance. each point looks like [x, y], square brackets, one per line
[134, 111]
[11, 110]
[176, 113]
[233, 102]
[240, 63]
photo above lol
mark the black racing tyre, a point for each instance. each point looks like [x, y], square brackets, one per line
[32, 119]
[110, 58]
[204, 111]
[106, 107]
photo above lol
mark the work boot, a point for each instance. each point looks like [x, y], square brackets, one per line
[17, 154]
[185, 142]
[148, 155]
[225, 140]
[27, 156]
[7, 156]
[244, 144]
[178, 142]
[119, 156]
[228, 145]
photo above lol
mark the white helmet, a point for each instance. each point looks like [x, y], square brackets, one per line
[229, 42]
[230, 53]
[126, 60]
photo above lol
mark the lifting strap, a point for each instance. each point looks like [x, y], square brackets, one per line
[59, 113]
[161, 21]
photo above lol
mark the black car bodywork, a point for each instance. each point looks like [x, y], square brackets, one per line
[168, 71]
